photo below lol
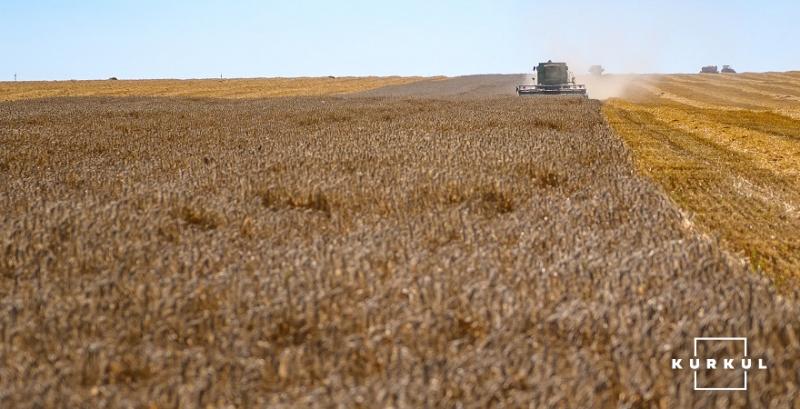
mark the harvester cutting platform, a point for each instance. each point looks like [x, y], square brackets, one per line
[552, 78]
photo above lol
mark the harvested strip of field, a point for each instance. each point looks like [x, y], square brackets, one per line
[736, 171]
[202, 88]
[774, 92]
[359, 251]
[468, 85]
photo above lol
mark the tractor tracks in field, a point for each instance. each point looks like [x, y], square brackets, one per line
[738, 181]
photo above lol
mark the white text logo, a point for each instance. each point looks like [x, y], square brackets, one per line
[698, 364]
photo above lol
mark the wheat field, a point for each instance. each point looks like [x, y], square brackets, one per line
[239, 88]
[360, 252]
[726, 148]
[404, 247]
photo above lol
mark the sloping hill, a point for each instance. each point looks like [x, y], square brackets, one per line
[469, 85]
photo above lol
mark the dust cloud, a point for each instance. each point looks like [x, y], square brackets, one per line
[607, 86]
[613, 36]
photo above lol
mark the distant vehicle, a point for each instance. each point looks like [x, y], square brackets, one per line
[596, 70]
[552, 78]
[709, 69]
[728, 70]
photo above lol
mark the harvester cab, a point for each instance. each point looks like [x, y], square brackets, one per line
[552, 78]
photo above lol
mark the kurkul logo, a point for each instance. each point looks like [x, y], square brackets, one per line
[698, 363]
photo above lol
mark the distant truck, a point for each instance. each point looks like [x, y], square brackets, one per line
[709, 69]
[728, 70]
[596, 70]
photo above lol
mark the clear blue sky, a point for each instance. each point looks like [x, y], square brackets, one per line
[51, 39]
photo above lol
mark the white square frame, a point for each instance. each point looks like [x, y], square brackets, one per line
[694, 372]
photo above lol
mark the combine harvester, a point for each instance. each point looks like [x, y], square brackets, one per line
[552, 78]
[596, 70]
[709, 69]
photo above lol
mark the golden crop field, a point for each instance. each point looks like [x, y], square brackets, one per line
[726, 148]
[460, 250]
[201, 88]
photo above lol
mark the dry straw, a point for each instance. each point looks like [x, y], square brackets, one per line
[356, 253]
